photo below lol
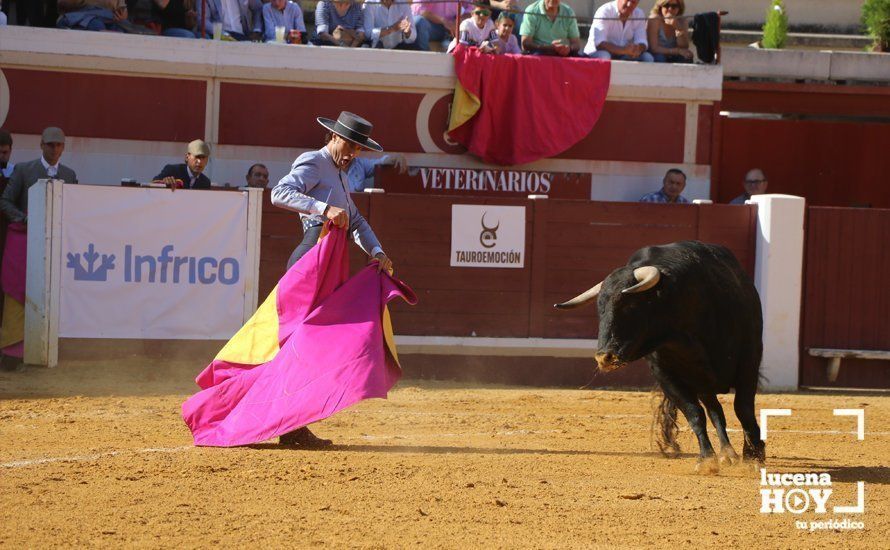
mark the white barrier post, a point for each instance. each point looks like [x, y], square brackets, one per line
[43, 272]
[778, 275]
[254, 233]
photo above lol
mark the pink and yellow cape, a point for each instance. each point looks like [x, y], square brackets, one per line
[319, 343]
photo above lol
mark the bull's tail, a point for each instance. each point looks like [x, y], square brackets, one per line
[664, 424]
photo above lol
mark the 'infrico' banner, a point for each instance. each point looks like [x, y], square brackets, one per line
[487, 236]
[148, 263]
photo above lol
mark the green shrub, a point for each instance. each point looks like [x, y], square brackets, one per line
[876, 20]
[775, 29]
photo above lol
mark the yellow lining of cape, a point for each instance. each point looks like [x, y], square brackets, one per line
[464, 106]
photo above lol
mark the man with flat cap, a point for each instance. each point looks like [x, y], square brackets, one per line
[189, 174]
[318, 188]
[14, 205]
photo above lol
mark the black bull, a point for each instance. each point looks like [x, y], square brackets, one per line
[691, 310]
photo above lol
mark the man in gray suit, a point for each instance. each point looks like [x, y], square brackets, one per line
[14, 205]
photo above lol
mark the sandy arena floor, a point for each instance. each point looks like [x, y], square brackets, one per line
[96, 454]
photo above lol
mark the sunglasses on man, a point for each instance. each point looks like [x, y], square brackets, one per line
[483, 13]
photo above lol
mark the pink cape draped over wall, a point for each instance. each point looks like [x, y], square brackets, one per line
[332, 354]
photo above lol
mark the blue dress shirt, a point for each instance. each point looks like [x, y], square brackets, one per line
[314, 182]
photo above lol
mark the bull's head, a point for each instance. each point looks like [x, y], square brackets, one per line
[623, 330]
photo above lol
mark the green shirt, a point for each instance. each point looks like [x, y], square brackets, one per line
[544, 31]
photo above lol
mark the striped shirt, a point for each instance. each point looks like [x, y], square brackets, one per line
[327, 19]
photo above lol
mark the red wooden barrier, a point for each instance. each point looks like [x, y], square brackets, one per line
[570, 246]
[846, 301]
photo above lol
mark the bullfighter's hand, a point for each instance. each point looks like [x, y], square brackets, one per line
[384, 262]
[338, 216]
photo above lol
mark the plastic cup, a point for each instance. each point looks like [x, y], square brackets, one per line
[279, 34]
[217, 30]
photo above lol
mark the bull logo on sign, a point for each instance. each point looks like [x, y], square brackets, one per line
[489, 234]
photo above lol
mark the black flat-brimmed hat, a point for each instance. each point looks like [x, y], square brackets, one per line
[352, 127]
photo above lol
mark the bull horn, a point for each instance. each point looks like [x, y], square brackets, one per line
[646, 276]
[581, 299]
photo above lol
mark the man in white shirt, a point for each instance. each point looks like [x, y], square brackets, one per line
[619, 32]
[390, 25]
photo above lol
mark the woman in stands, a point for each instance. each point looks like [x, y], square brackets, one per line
[668, 32]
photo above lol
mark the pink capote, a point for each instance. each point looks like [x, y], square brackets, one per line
[332, 354]
[12, 277]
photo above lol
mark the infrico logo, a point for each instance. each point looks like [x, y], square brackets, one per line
[165, 268]
[797, 493]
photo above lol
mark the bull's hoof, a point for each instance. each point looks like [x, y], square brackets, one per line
[669, 450]
[707, 466]
[728, 456]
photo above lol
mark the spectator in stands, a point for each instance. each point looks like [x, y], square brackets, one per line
[92, 15]
[258, 176]
[507, 42]
[478, 30]
[671, 189]
[619, 32]
[14, 205]
[550, 28]
[390, 25]
[190, 174]
[755, 184]
[175, 18]
[287, 14]
[668, 33]
[6, 167]
[361, 170]
[235, 23]
[435, 21]
[339, 23]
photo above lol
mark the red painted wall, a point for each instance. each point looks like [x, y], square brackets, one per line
[105, 106]
[828, 163]
[846, 297]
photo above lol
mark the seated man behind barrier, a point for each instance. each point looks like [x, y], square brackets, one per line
[619, 32]
[287, 14]
[672, 187]
[258, 176]
[360, 173]
[14, 205]
[550, 28]
[435, 21]
[235, 23]
[390, 25]
[755, 184]
[190, 174]
[340, 23]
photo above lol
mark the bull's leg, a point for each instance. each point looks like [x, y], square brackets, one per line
[687, 401]
[755, 448]
[728, 455]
